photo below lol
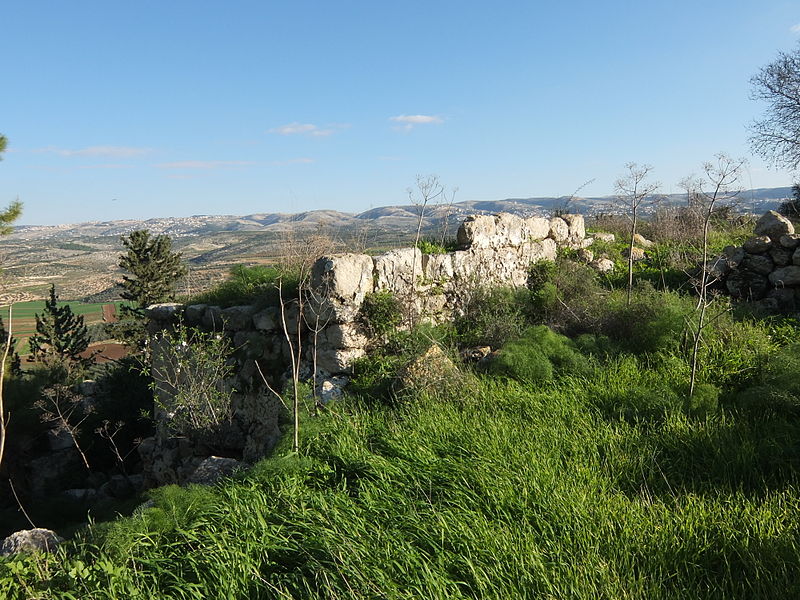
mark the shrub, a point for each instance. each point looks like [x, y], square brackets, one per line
[776, 387]
[251, 285]
[382, 313]
[493, 316]
[653, 321]
[539, 356]
[190, 372]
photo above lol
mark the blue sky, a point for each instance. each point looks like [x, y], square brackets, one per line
[144, 109]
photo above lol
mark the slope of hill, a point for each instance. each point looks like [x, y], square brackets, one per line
[81, 259]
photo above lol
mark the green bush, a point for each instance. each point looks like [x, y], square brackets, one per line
[539, 356]
[251, 285]
[382, 313]
[775, 388]
[493, 316]
[654, 321]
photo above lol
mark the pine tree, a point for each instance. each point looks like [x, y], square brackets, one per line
[153, 269]
[61, 337]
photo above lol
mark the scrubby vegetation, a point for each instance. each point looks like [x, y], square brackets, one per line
[250, 285]
[572, 462]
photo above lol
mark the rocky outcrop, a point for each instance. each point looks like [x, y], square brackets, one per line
[766, 267]
[30, 540]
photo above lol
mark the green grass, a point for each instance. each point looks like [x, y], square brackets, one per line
[576, 489]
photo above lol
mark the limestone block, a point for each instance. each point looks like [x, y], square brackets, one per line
[609, 238]
[212, 318]
[397, 269]
[477, 231]
[166, 311]
[785, 276]
[346, 335]
[773, 225]
[642, 241]
[538, 227]
[636, 252]
[757, 244]
[734, 256]
[796, 257]
[510, 230]
[576, 225]
[439, 268]
[337, 360]
[559, 230]
[602, 265]
[339, 284]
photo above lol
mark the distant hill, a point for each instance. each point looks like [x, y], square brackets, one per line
[397, 218]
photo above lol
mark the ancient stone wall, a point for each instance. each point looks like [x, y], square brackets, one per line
[495, 250]
[766, 268]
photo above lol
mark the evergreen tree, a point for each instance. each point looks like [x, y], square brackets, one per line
[153, 269]
[61, 337]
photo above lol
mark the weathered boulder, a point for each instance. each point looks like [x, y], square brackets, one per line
[757, 263]
[432, 372]
[267, 319]
[340, 284]
[642, 241]
[747, 285]
[790, 241]
[538, 228]
[773, 225]
[214, 468]
[477, 231]
[212, 318]
[166, 311]
[346, 335]
[236, 318]
[734, 256]
[717, 268]
[602, 265]
[757, 245]
[636, 252]
[30, 540]
[576, 227]
[785, 276]
[399, 270]
[609, 238]
[796, 257]
[193, 314]
[585, 255]
[332, 389]
[780, 256]
[559, 230]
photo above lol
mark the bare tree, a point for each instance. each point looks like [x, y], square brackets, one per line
[632, 190]
[719, 186]
[776, 136]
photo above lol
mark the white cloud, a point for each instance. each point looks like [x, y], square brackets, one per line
[294, 161]
[410, 121]
[416, 119]
[108, 166]
[309, 129]
[100, 151]
[795, 28]
[205, 164]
